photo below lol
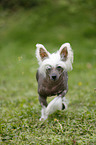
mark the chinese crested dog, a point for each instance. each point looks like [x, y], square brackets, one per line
[52, 77]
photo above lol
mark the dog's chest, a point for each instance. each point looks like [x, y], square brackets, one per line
[46, 87]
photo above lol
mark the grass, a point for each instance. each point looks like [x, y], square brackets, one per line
[19, 105]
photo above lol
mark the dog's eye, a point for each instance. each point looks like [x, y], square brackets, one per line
[59, 68]
[49, 69]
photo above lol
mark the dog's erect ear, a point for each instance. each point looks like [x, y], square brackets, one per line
[66, 55]
[41, 53]
[64, 51]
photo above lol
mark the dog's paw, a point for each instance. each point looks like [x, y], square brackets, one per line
[43, 118]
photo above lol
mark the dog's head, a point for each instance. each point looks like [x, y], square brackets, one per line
[52, 65]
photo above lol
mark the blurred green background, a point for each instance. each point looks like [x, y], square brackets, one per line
[23, 24]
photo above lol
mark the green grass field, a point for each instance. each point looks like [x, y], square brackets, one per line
[20, 110]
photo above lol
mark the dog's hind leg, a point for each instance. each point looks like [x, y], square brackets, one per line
[44, 104]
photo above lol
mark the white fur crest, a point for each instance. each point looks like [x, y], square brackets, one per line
[54, 59]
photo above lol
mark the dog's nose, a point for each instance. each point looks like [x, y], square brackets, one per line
[54, 77]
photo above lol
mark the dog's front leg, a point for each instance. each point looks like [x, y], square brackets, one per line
[44, 104]
[63, 93]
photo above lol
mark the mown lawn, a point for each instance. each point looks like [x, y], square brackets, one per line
[19, 105]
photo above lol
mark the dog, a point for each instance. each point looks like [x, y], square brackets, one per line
[52, 77]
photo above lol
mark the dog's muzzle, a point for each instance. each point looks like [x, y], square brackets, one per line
[54, 77]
